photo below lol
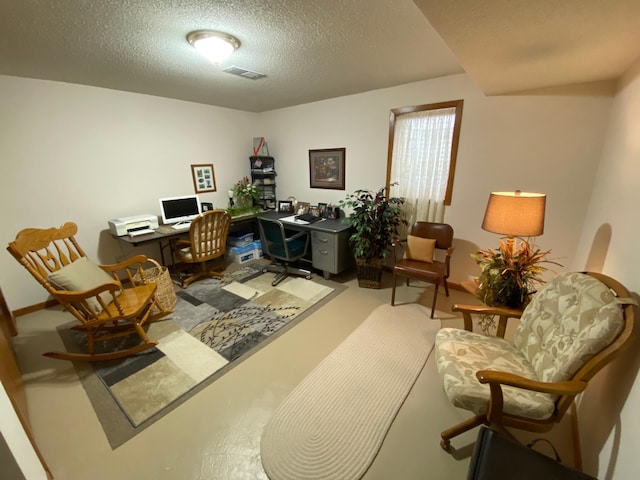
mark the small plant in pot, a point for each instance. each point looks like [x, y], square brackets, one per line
[376, 219]
[510, 275]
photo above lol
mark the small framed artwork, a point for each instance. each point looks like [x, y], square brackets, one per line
[302, 208]
[333, 212]
[327, 168]
[204, 179]
[285, 206]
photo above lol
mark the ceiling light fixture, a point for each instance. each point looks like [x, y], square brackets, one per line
[216, 46]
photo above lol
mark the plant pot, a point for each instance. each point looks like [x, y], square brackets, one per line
[369, 272]
[244, 202]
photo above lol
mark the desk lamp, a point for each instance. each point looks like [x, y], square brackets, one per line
[515, 214]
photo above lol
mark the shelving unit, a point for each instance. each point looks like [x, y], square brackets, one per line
[263, 175]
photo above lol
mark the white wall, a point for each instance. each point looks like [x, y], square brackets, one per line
[547, 144]
[85, 154]
[609, 243]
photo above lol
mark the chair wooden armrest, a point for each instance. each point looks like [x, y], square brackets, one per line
[503, 313]
[555, 388]
[496, 379]
[78, 295]
[133, 268]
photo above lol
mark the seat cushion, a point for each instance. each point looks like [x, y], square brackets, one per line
[573, 317]
[82, 275]
[433, 272]
[460, 354]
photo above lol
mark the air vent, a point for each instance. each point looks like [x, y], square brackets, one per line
[241, 72]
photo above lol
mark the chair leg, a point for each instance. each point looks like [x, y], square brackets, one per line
[448, 434]
[435, 297]
[393, 290]
[446, 287]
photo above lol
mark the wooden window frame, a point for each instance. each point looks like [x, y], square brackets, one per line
[395, 112]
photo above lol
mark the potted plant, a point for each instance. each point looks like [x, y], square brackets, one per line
[375, 219]
[245, 193]
[510, 275]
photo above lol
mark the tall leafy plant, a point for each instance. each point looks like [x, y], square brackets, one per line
[376, 220]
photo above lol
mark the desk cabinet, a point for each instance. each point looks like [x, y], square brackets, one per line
[330, 251]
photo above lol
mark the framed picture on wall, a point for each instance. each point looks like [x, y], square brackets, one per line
[204, 179]
[327, 168]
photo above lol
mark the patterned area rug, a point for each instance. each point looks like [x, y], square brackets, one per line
[214, 326]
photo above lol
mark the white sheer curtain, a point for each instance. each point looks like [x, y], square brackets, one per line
[421, 160]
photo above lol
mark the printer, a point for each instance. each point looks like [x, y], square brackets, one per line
[130, 225]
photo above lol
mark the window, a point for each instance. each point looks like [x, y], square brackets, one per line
[423, 145]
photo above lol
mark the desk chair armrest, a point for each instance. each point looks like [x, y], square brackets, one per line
[296, 236]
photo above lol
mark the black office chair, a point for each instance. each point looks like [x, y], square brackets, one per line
[283, 250]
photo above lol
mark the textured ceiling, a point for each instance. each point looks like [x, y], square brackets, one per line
[316, 49]
[515, 45]
[309, 49]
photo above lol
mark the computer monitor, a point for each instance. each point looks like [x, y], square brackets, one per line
[179, 209]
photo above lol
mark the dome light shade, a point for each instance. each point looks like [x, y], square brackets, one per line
[216, 46]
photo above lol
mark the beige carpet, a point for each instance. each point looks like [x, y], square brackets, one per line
[332, 425]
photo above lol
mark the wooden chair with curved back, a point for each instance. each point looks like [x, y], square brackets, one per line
[418, 260]
[207, 241]
[574, 325]
[95, 295]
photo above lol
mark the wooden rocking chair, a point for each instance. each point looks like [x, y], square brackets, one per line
[93, 294]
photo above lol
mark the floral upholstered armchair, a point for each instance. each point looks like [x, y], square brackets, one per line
[574, 325]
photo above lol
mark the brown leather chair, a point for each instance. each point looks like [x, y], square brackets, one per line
[416, 266]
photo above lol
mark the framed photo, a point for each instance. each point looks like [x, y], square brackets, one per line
[327, 168]
[204, 179]
[302, 208]
[285, 206]
[322, 210]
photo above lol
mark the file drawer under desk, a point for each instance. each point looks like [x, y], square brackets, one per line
[330, 251]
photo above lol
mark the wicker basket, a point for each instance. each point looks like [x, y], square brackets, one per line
[165, 293]
[369, 273]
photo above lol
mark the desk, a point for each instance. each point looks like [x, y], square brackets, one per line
[165, 233]
[330, 250]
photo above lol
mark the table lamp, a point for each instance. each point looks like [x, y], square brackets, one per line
[515, 214]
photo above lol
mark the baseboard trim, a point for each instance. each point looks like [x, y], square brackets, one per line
[34, 308]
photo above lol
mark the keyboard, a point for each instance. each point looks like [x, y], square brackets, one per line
[182, 226]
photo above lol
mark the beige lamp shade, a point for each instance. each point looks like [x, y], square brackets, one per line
[516, 214]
